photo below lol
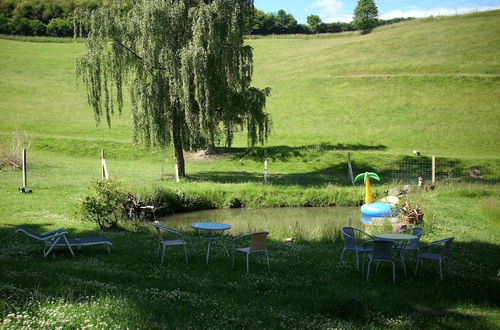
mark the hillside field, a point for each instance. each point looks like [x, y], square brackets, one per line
[429, 84]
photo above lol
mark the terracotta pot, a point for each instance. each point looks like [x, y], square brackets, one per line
[413, 219]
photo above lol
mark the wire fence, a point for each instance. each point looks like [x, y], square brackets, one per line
[415, 169]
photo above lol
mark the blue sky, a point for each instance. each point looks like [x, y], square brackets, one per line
[341, 10]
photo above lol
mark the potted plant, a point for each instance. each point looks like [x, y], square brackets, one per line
[412, 213]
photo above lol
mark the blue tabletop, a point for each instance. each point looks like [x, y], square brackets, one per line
[210, 226]
[396, 237]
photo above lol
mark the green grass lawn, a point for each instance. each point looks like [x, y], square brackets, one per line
[431, 85]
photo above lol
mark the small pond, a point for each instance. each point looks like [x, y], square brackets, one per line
[311, 223]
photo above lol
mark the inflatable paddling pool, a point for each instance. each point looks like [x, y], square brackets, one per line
[380, 210]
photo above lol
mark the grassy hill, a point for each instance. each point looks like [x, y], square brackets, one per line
[430, 84]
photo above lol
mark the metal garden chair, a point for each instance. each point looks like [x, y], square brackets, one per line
[351, 243]
[162, 242]
[382, 251]
[440, 257]
[257, 245]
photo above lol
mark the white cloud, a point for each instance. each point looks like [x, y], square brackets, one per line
[434, 12]
[331, 11]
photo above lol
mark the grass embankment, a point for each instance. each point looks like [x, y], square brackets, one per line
[428, 84]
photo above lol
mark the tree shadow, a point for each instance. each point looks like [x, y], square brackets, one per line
[285, 153]
[167, 295]
[336, 174]
[399, 169]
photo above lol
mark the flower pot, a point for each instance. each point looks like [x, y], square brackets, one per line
[413, 219]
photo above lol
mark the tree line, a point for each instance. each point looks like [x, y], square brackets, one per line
[55, 18]
[41, 17]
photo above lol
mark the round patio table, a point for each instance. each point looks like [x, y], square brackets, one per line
[211, 231]
[396, 237]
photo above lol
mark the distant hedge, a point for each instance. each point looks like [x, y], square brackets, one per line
[55, 18]
[40, 17]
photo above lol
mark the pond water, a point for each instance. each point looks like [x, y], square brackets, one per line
[311, 223]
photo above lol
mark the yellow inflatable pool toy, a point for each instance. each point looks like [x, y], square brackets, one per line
[390, 199]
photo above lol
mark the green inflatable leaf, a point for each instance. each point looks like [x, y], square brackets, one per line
[360, 176]
[373, 175]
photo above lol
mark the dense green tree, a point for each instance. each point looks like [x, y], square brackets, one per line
[314, 22]
[365, 15]
[188, 68]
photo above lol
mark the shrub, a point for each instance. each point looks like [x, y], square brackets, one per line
[38, 28]
[59, 27]
[4, 25]
[20, 26]
[104, 203]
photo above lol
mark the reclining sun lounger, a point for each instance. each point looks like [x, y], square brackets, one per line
[57, 237]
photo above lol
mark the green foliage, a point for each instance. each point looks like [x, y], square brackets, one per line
[103, 204]
[365, 15]
[4, 24]
[189, 87]
[59, 27]
[314, 22]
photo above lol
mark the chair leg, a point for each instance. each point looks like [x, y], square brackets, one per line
[342, 255]
[185, 253]
[234, 256]
[158, 252]
[248, 255]
[46, 253]
[69, 246]
[363, 265]
[162, 255]
[208, 250]
[368, 271]
[448, 266]
[440, 269]
[357, 260]
[267, 258]
[376, 269]
[403, 262]
[416, 266]
[393, 272]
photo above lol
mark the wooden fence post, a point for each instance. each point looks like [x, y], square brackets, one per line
[265, 167]
[349, 167]
[104, 166]
[25, 177]
[433, 169]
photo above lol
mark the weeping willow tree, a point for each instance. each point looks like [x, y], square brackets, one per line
[186, 67]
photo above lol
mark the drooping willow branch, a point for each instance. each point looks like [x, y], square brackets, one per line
[186, 66]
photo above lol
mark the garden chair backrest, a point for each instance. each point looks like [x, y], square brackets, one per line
[447, 246]
[382, 249]
[349, 238]
[162, 230]
[30, 233]
[417, 231]
[349, 234]
[258, 241]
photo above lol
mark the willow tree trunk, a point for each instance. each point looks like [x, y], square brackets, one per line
[180, 169]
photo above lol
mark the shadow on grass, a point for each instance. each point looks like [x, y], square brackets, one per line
[398, 169]
[336, 174]
[284, 153]
[305, 284]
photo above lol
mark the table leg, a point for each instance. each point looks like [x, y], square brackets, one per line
[208, 249]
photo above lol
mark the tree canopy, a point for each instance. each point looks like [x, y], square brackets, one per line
[365, 15]
[187, 68]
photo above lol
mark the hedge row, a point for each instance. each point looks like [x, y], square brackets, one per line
[57, 27]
